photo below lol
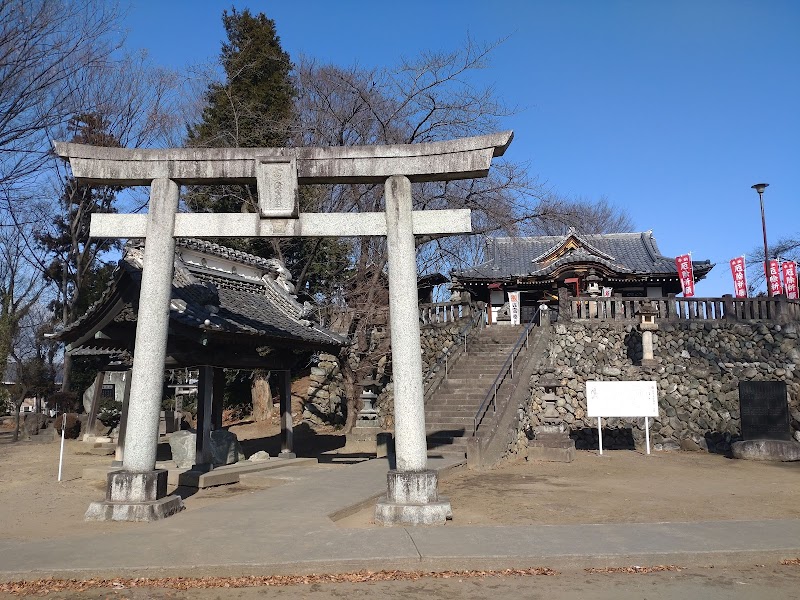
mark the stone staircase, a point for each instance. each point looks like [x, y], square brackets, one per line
[450, 411]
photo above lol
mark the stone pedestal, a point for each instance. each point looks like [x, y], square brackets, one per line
[413, 499]
[135, 497]
[552, 447]
[363, 438]
[769, 450]
[551, 443]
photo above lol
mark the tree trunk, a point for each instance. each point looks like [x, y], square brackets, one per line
[67, 373]
[262, 396]
[16, 422]
[353, 391]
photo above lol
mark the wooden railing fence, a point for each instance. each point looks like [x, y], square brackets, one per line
[686, 309]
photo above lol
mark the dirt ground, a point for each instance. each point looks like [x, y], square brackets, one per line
[34, 505]
[619, 487]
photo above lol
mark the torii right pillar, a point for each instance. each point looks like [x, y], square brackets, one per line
[413, 493]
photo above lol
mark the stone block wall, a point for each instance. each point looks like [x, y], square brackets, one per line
[325, 401]
[698, 369]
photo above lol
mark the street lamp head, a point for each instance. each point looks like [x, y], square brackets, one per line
[760, 187]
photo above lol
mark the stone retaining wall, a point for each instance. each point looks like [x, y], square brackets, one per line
[325, 401]
[699, 366]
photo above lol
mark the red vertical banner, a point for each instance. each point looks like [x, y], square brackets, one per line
[789, 269]
[685, 274]
[774, 278]
[739, 277]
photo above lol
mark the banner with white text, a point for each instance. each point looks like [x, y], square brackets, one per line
[774, 278]
[513, 307]
[685, 274]
[739, 277]
[789, 269]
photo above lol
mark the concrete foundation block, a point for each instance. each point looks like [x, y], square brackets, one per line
[566, 455]
[134, 511]
[551, 447]
[393, 513]
[124, 486]
[135, 497]
[474, 454]
[412, 499]
[412, 487]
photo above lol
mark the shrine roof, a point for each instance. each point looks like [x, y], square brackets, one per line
[540, 256]
[210, 296]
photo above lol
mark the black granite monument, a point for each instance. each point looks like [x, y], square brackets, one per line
[764, 410]
[766, 430]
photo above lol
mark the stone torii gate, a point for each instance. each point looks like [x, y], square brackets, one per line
[138, 490]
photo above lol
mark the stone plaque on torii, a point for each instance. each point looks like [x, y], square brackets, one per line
[138, 490]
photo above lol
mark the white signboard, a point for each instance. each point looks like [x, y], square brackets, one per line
[622, 399]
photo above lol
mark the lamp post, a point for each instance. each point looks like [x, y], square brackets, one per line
[760, 187]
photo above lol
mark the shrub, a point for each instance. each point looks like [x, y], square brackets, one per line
[73, 427]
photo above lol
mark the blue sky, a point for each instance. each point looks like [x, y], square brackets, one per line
[670, 109]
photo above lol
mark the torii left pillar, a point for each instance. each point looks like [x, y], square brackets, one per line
[138, 492]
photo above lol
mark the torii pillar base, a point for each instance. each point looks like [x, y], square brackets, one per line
[135, 497]
[413, 499]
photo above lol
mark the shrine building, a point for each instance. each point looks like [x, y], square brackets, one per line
[612, 264]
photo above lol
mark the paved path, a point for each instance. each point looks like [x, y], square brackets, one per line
[287, 529]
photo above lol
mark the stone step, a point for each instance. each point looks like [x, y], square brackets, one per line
[448, 445]
[481, 380]
[464, 396]
[436, 415]
[462, 369]
[453, 404]
[454, 424]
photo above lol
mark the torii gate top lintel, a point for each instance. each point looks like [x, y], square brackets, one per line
[462, 158]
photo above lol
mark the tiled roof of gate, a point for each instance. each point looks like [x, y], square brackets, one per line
[632, 253]
[230, 303]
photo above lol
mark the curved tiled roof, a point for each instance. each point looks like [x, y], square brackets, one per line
[631, 253]
[215, 301]
[578, 256]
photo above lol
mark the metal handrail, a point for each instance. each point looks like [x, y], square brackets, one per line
[506, 369]
[476, 320]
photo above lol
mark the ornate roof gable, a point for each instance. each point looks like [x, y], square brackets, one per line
[570, 243]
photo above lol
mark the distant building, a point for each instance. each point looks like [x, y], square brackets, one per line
[623, 264]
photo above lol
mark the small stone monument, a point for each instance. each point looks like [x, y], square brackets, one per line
[551, 441]
[363, 438]
[647, 314]
[764, 413]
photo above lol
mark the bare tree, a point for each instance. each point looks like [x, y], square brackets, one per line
[787, 248]
[45, 45]
[21, 288]
[127, 103]
[31, 355]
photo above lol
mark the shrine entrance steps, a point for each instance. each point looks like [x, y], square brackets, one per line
[450, 411]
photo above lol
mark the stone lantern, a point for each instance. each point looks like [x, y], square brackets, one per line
[647, 323]
[551, 441]
[593, 283]
[363, 438]
[593, 289]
